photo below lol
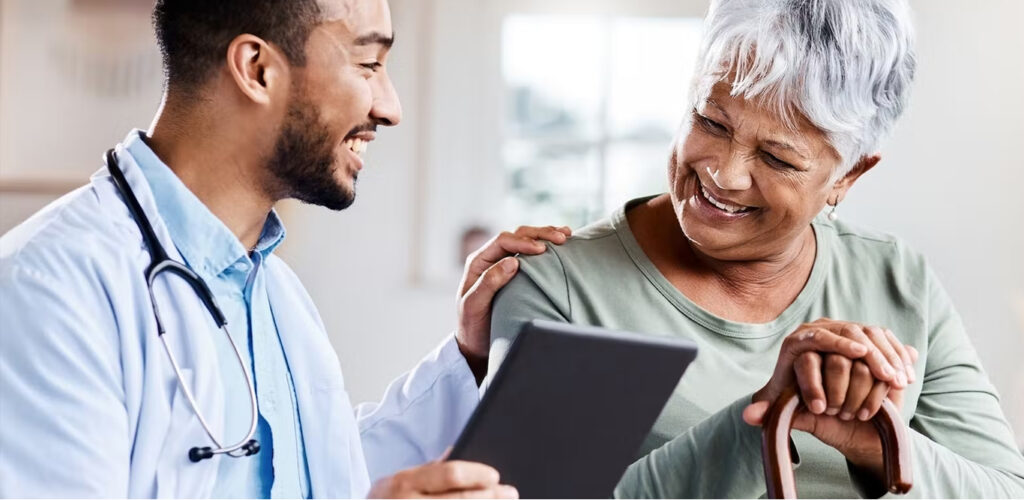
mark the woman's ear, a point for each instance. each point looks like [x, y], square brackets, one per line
[256, 67]
[843, 185]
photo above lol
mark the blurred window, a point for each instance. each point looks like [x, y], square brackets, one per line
[592, 105]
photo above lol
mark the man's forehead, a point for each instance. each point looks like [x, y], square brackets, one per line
[358, 17]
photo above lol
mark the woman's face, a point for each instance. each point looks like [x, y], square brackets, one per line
[745, 186]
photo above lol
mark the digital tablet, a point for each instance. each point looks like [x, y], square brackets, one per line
[570, 406]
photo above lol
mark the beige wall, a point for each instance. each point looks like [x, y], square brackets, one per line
[381, 272]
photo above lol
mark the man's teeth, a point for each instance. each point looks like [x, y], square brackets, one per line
[358, 146]
[722, 206]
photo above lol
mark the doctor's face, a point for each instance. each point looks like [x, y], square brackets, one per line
[338, 99]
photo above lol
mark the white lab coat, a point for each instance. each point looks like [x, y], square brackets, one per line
[89, 405]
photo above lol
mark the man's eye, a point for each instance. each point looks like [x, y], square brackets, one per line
[374, 66]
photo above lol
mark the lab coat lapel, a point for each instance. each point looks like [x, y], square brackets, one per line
[175, 475]
[336, 465]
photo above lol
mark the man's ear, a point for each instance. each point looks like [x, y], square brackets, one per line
[843, 185]
[256, 67]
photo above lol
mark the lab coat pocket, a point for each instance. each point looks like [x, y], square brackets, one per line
[177, 476]
[335, 459]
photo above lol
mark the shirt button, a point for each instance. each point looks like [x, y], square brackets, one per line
[242, 266]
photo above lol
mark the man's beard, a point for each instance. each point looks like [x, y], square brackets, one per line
[303, 159]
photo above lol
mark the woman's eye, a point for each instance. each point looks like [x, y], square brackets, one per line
[712, 126]
[777, 163]
[374, 66]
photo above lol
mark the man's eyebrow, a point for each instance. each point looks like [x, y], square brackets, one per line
[376, 37]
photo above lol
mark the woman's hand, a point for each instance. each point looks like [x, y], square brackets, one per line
[841, 393]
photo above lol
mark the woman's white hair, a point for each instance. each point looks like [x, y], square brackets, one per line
[845, 65]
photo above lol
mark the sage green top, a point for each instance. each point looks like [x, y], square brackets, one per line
[700, 446]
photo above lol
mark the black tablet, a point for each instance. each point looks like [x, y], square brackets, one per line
[570, 406]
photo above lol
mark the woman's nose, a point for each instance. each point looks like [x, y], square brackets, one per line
[732, 174]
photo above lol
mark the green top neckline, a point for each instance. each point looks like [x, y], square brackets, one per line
[784, 323]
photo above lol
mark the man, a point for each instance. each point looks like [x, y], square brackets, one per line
[265, 100]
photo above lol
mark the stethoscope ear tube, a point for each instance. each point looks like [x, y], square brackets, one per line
[160, 262]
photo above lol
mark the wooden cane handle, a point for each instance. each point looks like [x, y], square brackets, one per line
[778, 462]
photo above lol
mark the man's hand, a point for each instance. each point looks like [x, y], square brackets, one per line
[487, 270]
[441, 479]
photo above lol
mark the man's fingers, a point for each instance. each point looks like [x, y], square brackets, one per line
[550, 233]
[481, 293]
[530, 242]
[808, 378]
[453, 476]
[837, 381]
[502, 491]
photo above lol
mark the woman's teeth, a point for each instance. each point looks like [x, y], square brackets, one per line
[732, 209]
[358, 146]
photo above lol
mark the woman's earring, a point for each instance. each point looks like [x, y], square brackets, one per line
[832, 215]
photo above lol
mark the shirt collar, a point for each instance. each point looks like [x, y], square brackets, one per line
[206, 244]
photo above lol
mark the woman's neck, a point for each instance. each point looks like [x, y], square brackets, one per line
[752, 291]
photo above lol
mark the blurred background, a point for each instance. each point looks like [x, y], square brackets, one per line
[540, 112]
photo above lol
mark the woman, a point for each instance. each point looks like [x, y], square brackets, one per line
[791, 99]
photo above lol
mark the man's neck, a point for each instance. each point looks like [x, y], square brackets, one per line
[219, 168]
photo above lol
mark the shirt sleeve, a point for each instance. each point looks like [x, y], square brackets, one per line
[421, 414]
[962, 444]
[682, 468]
[64, 429]
[538, 291]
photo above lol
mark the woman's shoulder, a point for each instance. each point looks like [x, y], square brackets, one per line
[864, 244]
[866, 259]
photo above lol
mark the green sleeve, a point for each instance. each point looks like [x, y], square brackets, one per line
[538, 291]
[720, 457]
[962, 444]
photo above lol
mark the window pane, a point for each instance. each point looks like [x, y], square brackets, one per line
[550, 183]
[634, 169]
[550, 67]
[652, 60]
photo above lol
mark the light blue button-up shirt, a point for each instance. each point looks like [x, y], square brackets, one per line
[233, 275]
[90, 406]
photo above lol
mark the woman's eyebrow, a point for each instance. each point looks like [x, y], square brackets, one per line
[786, 146]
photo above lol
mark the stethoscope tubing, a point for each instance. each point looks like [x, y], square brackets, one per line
[161, 263]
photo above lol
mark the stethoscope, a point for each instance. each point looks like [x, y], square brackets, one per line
[160, 262]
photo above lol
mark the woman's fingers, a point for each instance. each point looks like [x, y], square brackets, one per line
[821, 340]
[808, 378]
[890, 350]
[873, 402]
[861, 383]
[876, 360]
[904, 352]
[836, 374]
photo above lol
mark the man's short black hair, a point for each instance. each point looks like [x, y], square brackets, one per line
[194, 34]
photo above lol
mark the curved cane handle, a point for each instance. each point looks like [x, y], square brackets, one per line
[778, 469]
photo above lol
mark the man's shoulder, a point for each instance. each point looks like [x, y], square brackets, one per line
[70, 235]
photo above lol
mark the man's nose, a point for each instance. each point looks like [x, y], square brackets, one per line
[386, 110]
